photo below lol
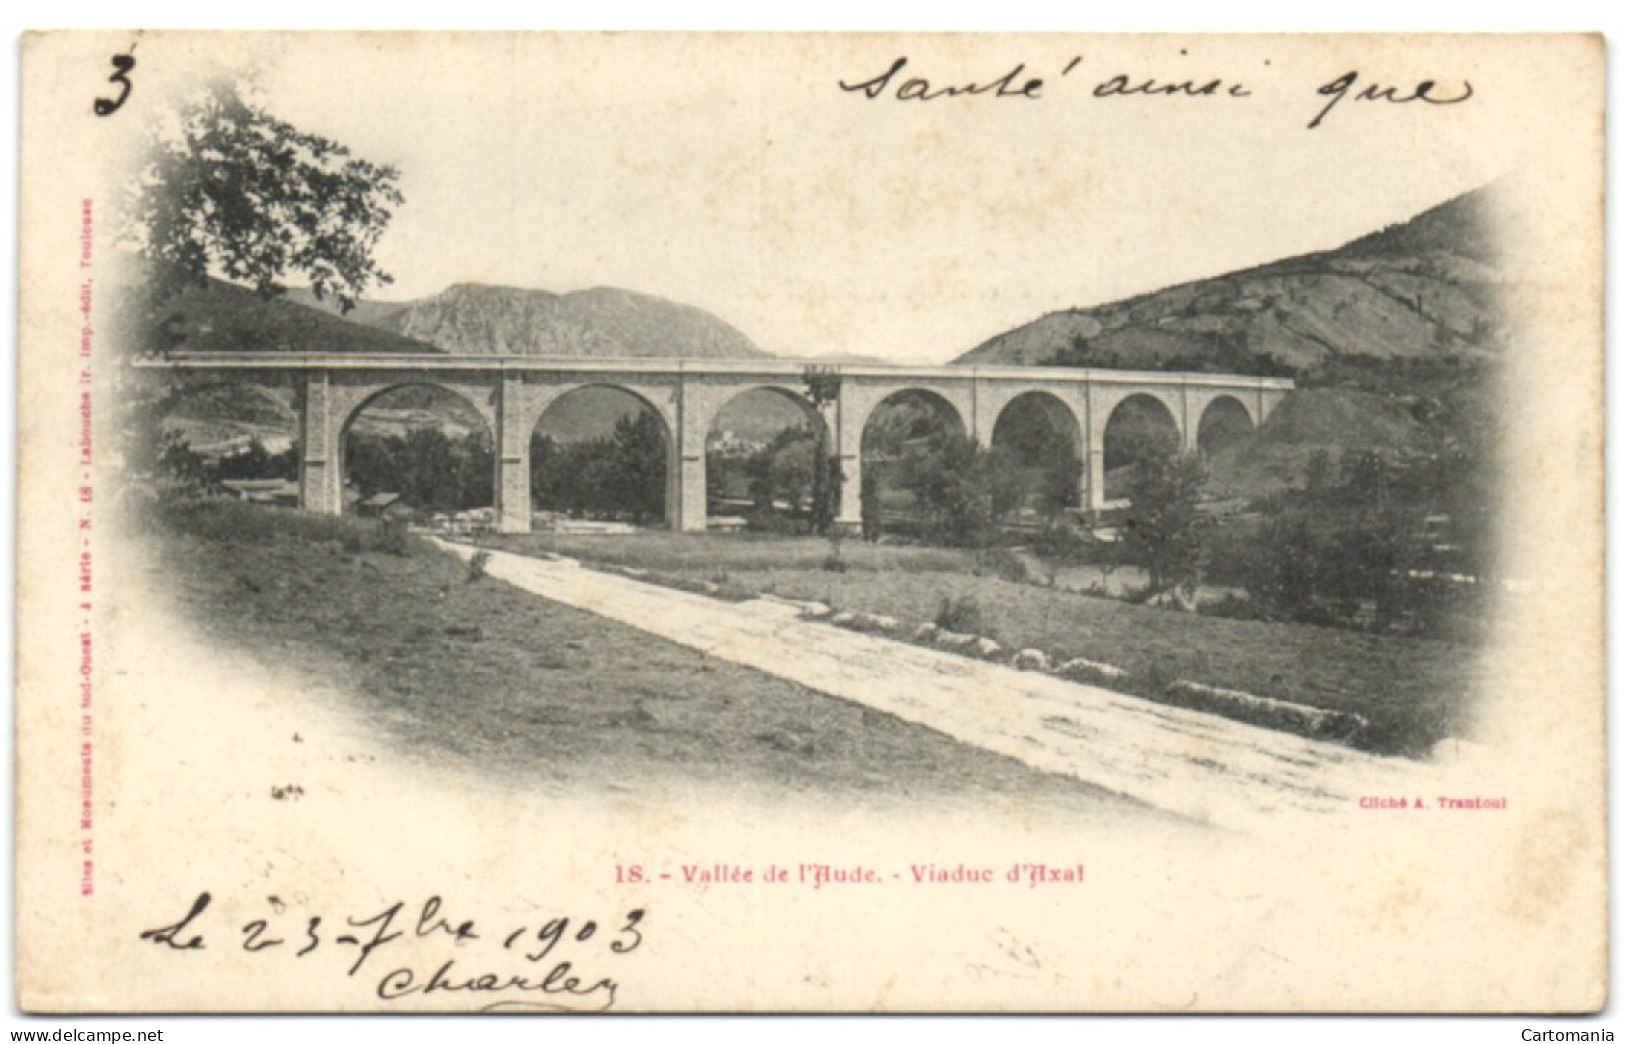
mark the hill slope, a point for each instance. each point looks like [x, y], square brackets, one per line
[219, 317]
[1422, 289]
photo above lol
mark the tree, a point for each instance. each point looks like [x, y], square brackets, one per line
[623, 474]
[869, 500]
[229, 191]
[428, 468]
[232, 191]
[638, 474]
[1060, 485]
[257, 462]
[1164, 531]
[1046, 456]
[1329, 566]
[823, 387]
[179, 462]
[1284, 567]
[249, 464]
[792, 472]
[476, 471]
[371, 463]
[431, 478]
[1319, 474]
[963, 489]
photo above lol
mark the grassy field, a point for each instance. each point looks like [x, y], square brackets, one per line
[1414, 691]
[481, 675]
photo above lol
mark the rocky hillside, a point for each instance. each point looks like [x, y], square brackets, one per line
[1421, 290]
[472, 318]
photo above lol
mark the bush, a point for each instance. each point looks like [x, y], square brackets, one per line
[774, 522]
[962, 615]
[1002, 563]
[964, 490]
[1062, 542]
[1364, 569]
[218, 518]
[476, 565]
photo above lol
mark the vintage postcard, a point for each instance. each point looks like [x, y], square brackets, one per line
[866, 523]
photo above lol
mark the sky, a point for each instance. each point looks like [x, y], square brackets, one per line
[736, 175]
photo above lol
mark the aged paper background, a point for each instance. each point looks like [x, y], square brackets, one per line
[1367, 913]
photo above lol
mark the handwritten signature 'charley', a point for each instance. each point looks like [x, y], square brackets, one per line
[521, 966]
[1019, 84]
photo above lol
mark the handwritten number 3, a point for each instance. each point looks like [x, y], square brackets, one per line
[122, 64]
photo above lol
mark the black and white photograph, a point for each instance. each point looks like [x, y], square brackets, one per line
[691, 522]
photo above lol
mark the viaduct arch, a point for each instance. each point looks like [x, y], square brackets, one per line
[531, 418]
[510, 393]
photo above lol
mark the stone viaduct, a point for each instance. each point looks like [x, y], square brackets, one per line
[511, 393]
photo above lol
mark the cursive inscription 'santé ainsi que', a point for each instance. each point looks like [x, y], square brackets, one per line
[1017, 84]
[522, 966]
